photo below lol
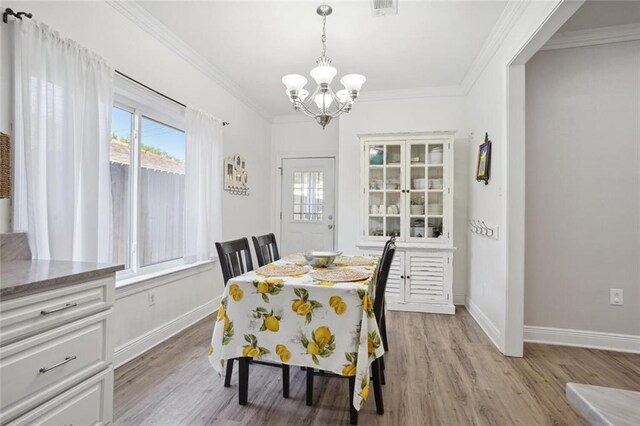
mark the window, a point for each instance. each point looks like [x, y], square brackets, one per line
[307, 196]
[147, 162]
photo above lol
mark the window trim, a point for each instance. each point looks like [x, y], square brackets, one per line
[130, 97]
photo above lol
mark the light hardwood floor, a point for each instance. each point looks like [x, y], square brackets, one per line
[441, 370]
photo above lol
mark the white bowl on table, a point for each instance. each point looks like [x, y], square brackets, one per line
[418, 183]
[321, 259]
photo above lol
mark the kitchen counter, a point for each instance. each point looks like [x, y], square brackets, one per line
[23, 277]
[605, 406]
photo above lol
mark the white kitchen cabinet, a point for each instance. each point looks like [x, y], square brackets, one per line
[56, 352]
[407, 192]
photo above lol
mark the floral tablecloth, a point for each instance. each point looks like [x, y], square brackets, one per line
[300, 321]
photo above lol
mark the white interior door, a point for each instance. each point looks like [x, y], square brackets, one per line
[308, 190]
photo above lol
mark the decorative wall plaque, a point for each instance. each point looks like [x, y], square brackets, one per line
[236, 175]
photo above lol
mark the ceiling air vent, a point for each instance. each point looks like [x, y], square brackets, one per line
[384, 7]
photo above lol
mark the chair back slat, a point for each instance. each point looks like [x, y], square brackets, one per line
[235, 258]
[381, 280]
[390, 241]
[266, 249]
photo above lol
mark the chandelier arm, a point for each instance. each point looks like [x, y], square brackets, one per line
[306, 110]
[339, 111]
[309, 102]
[339, 105]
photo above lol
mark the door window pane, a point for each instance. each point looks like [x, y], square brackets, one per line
[308, 196]
[162, 168]
[120, 166]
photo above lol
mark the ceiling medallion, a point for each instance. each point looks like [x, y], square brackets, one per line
[323, 104]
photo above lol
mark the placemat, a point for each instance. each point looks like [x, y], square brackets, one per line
[353, 261]
[272, 270]
[339, 275]
[296, 258]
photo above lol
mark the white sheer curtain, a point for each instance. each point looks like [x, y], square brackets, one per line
[203, 185]
[63, 100]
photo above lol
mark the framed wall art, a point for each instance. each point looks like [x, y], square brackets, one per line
[484, 161]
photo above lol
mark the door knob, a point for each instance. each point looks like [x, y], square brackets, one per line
[330, 226]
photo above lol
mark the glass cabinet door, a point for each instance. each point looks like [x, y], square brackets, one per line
[385, 162]
[425, 182]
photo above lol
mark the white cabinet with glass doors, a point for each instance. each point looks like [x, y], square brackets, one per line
[407, 189]
[408, 193]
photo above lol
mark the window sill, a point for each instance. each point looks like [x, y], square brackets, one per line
[168, 273]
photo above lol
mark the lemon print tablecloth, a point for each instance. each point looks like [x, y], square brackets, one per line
[300, 321]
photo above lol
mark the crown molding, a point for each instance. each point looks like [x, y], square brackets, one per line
[512, 11]
[593, 37]
[147, 22]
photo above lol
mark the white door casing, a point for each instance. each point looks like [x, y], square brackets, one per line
[308, 205]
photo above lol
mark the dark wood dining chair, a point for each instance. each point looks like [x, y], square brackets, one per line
[235, 259]
[376, 370]
[266, 249]
[383, 321]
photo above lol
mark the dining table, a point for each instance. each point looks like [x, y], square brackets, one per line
[291, 313]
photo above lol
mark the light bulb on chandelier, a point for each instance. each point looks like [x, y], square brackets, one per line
[323, 104]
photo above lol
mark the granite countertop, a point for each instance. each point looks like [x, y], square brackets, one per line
[605, 406]
[23, 277]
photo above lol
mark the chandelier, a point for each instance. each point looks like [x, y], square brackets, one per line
[323, 104]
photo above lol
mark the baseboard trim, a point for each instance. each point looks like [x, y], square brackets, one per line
[485, 323]
[143, 343]
[424, 308]
[583, 339]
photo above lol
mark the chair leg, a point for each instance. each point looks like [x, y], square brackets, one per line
[285, 381]
[381, 359]
[309, 386]
[383, 332]
[377, 388]
[227, 377]
[353, 413]
[243, 374]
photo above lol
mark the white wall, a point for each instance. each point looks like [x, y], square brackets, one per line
[131, 50]
[402, 115]
[488, 100]
[583, 188]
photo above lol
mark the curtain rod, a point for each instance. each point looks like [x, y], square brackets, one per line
[18, 15]
[224, 123]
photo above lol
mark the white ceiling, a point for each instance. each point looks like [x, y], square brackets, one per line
[428, 44]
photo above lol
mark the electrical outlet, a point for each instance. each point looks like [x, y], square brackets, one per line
[152, 298]
[616, 296]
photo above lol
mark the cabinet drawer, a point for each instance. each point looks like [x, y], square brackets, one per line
[38, 368]
[89, 403]
[25, 316]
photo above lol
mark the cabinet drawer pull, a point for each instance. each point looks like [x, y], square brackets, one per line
[61, 308]
[66, 360]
